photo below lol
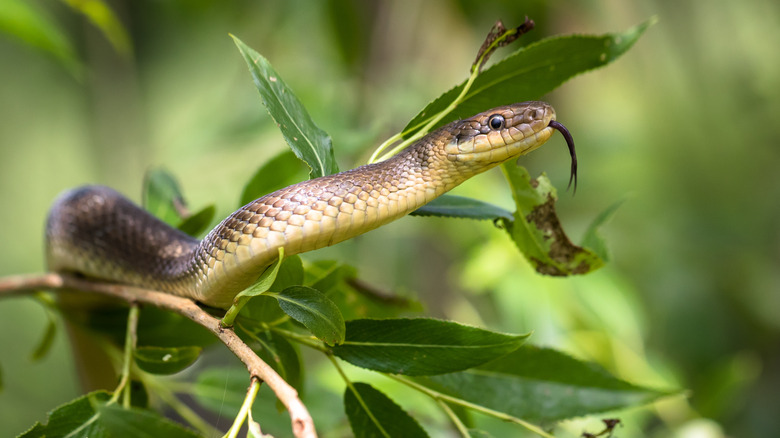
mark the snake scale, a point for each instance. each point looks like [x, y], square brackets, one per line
[96, 232]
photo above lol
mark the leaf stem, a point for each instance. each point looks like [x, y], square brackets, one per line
[475, 71]
[464, 432]
[308, 341]
[165, 390]
[357, 395]
[130, 340]
[249, 400]
[460, 402]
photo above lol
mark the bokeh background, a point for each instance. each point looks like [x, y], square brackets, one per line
[684, 128]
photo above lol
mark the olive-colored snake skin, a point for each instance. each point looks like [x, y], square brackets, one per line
[96, 232]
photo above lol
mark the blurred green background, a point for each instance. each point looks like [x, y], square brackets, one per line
[685, 127]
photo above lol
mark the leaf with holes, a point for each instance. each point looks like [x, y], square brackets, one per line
[538, 233]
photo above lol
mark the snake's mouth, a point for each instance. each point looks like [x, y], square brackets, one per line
[570, 142]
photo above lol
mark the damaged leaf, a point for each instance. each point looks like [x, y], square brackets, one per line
[538, 233]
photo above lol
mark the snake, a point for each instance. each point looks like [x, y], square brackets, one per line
[95, 232]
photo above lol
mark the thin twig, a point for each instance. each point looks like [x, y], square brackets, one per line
[302, 423]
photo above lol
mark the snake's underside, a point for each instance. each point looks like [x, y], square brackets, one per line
[96, 232]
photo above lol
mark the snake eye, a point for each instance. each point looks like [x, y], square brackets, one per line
[496, 122]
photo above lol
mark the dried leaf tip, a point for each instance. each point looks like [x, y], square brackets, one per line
[499, 36]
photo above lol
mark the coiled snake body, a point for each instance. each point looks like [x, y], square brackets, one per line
[96, 232]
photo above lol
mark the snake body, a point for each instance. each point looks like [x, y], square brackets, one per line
[96, 232]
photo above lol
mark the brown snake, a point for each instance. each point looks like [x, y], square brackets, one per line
[96, 232]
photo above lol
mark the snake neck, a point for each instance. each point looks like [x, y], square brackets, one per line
[320, 212]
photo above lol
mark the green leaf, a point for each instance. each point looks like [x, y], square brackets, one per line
[593, 239]
[89, 416]
[462, 207]
[101, 15]
[314, 310]
[290, 274]
[266, 280]
[197, 223]
[538, 233]
[161, 360]
[138, 423]
[261, 309]
[354, 298]
[531, 72]
[160, 328]
[46, 341]
[418, 347]
[22, 19]
[280, 171]
[309, 143]
[162, 196]
[373, 414]
[541, 384]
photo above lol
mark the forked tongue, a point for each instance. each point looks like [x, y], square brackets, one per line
[570, 142]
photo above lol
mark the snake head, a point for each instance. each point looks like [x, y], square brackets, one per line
[500, 134]
[503, 133]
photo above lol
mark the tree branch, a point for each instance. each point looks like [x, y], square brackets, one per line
[302, 423]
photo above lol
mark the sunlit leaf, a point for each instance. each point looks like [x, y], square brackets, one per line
[462, 207]
[373, 414]
[314, 310]
[280, 171]
[418, 347]
[310, 143]
[266, 280]
[531, 72]
[290, 274]
[163, 198]
[165, 360]
[197, 223]
[538, 233]
[23, 20]
[541, 384]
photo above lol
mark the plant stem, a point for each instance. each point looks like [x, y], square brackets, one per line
[357, 395]
[308, 341]
[464, 432]
[127, 360]
[249, 400]
[165, 392]
[301, 421]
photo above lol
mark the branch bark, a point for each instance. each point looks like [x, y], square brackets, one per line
[302, 423]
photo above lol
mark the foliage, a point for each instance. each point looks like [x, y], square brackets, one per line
[295, 305]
